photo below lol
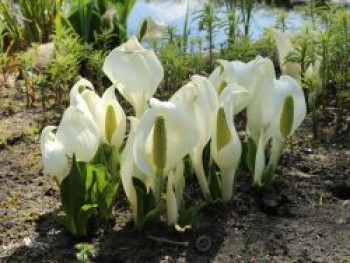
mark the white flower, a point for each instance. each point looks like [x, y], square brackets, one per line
[226, 147]
[164, 136]
[77, 134]
[280, 118]
[154, 29]
[245, 78]
[135, 71]
[200, 98]
[128, 169]
[284, 47]
[55, 158]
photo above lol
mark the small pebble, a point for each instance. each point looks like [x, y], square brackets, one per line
[308, 150]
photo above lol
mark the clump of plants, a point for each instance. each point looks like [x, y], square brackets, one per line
[94, 19]
[317, 56]
[89, 159]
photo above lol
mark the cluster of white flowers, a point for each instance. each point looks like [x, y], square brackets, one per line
[162, 133]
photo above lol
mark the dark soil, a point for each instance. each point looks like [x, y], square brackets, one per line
[303, 217]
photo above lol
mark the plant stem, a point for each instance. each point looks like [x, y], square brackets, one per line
[198, 167]
[227, 182]
[276, 151]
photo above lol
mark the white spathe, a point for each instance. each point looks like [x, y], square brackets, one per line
[284, 47]
[286, 87]
[275, 117]
[244, 77]
[175, 188]
[200, 98]
[155, 29]
[77, 89]
[260, 109]
[55, 158]
[128, 169]
[79, 134]
[135, 71]
[226, 156]
[180, 137]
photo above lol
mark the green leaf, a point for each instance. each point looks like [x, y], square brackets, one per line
[105, 189]
[100, 173]
[153, 215]
[147, 211]
[85, 251]
[214, 184]
[141, 193]
[89, 183]
[109, 194]
[104, 152]
[268, 174]
[73, 189]
[187, 216]
[249, 153]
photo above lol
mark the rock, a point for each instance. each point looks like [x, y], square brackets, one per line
[31, 243]
[308, 150]
[44, 54]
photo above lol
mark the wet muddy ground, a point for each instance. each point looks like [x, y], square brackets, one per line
[303, 217]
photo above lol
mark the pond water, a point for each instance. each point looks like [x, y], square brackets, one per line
[173, 12]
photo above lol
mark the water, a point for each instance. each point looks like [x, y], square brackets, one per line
[172, 12]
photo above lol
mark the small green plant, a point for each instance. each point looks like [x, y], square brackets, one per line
[85, 252]
[281, 22]
[266, 44]
[27, 69]
[313, 11]
[341, 29]
[176, 69]
[244, 50]
[63, 69]
[232, 27]
[305, 54]
[40, 83]
[209, 22]
[86, 191]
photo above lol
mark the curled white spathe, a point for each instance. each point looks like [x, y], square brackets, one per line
[54, 156]
[135, 71]
[77, 134]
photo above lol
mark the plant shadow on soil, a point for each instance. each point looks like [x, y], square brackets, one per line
[249, 216]
[122, 245]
